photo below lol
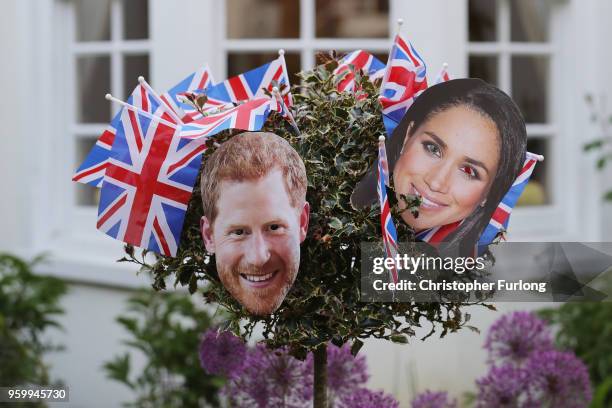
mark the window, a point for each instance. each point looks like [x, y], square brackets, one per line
[109, 49]
[99, 46]
[256, 29]
[513, 46]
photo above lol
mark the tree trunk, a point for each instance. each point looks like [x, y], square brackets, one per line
[320, 377]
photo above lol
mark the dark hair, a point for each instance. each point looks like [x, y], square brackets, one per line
[490, 102]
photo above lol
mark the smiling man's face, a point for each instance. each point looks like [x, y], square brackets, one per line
[256, 236]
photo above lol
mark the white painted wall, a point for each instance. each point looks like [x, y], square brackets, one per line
[91, 337]
[452, 363]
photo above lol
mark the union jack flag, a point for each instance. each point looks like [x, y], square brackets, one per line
[360, 61]
[501, 216]
[404, 79]
[442, 75]
[250, 115]
[389, 233]
[252, 84]
[93, 167]
[199, 80]
[148, 183]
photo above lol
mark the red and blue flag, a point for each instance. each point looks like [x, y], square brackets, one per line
[253, 84]
[91, 171]
[443, 75]
[148, 183]
[197, 81]
[389, 233]
[249, 115]
[404, 79]
[358, 60]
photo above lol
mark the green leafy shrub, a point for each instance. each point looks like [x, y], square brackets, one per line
[29, 304]
[166, 328]
[586, 328]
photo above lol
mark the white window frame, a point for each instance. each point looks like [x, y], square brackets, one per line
[77, 250]
[548, 221]
[307, 44]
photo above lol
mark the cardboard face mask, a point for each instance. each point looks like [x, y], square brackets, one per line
[255, 217]
[460, 148]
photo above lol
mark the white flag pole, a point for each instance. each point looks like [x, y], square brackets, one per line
[165, 107]
[441, 73]
[400, 22]
[133, 108]
[280, 100]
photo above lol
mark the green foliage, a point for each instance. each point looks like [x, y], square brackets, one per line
[165, 327]
[586, 328]
[338, 143]
[603, 144]
[29, 304]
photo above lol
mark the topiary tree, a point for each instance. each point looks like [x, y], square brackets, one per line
[338, 143]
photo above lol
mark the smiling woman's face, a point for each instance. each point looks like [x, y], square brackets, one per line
[450, 161]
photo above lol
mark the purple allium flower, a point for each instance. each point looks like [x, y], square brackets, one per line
[271, 378]
[515, 336]
[222, 353]
[504, 387]
[364, 398]
[433, 399]
[559, 379]
[345, 372]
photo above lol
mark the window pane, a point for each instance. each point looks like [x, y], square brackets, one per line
[537, 191]
[352, 18]
[93, 20]
[136, 19]
[530, 87]
[238, 63]
[482, 16]
[263, 18]
[93, 82]
[85, 194]
[485, 68]
[135, 65]
[529, 20]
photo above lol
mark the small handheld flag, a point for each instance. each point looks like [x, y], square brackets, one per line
[358, 60]
[389, 233]
[442, 75]
[404, 79]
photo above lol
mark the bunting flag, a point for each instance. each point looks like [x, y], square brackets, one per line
[442, 75]
[148, 183]
[501, 216]
[93, 167]
[389, 233]
[404, 79]
[253, 84]
[91, 171]
[358, 60]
